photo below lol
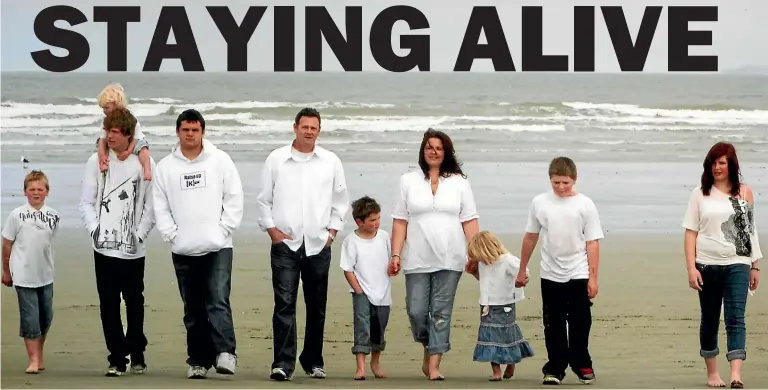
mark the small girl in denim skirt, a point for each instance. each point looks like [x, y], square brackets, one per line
[499, 338]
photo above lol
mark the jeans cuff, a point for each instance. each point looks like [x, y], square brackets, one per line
[361, 349]
[709, 354]
[378, 347]
[438, 349]
[30, 336]
[740, 354]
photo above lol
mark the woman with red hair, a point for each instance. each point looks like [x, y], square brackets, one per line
[722, 253]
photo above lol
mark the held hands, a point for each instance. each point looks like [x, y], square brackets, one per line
[394, 266]
[522, 278]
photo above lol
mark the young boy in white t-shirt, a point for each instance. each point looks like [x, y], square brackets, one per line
[365, 259]
[28, 265]
[570, 227]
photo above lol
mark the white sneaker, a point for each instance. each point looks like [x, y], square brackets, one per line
[197, 372]
[226, 363]
[278, 374]
[317, 372]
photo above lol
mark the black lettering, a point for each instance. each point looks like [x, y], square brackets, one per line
[73, 42]
[680, 37]
[380, 39]
[285, 39]
[237, 37]
[117, 19]
[484, 19]
[173, 19]
[533, 45]
[319, 24]
[631, 56]
[584, 39]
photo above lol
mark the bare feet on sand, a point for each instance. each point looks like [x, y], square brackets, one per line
[714, 380]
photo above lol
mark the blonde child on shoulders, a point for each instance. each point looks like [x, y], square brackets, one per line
[500, 340]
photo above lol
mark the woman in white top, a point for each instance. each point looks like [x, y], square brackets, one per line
[722, 253]
[435, 210]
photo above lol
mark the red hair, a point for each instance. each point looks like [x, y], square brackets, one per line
[717, 151]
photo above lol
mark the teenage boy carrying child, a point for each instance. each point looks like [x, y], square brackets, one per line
[365, 258]
[571, 230]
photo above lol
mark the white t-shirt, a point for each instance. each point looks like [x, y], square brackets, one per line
[368, 258]
[435, 237]
[726, 228]
[497, 281]
[117, 207]
[32, 233]
[565, 225]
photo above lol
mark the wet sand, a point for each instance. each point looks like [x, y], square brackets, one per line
[644, 334]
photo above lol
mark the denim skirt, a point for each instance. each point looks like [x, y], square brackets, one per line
[499, 339]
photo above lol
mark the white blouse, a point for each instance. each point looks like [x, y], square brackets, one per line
[435, 237]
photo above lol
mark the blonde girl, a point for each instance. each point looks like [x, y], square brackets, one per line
[499, 338]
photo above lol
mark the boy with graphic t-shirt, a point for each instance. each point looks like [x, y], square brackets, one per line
[365, 258]
[28, 265]
[570, 227]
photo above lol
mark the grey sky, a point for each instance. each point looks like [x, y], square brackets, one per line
[739, 36]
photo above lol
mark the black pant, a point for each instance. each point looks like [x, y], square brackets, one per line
[287, 267]
[566, 303]
[116, 277]
[204, 284]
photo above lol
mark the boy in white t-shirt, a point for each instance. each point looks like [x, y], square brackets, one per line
[28, 265]
[111, 97]
[570, 228]
[365, 259]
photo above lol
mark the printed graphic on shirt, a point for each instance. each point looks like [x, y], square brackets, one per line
[739, 227]
[192, 180]
[41, 220]
[116, 218]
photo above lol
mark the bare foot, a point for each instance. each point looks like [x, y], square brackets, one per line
[360, 374]
[33, 368]
[509, 372]
[435, 375]
[425, 364]
[377, 371]
[714, 380]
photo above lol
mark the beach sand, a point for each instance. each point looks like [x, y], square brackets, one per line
[644, 334]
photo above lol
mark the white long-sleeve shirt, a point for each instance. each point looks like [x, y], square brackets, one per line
[116, 206]
[198, 203]
[304, 195]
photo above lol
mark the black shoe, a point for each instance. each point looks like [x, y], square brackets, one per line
[585, 375]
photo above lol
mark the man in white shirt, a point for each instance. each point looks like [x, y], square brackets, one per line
[198, 199]
[116, 207]
[302, 201]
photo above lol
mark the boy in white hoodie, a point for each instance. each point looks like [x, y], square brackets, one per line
[198, 198]
[116, 208]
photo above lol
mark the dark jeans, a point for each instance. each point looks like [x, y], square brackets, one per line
[287, 268]
[116, 277]
[370, 324]
[205, 283]
[35, 310]
[566, 303]
[726, 286]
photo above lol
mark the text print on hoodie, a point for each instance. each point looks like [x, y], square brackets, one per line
[198, 203]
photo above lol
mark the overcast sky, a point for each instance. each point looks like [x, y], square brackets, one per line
[740, 35]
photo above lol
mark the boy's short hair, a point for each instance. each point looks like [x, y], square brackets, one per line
[36, 176]
[364, 207]
[562, 166]
[114, 94]
[122, 119]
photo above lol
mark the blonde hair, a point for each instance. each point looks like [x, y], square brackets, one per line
[36, 176]
[486, 247]
[113, 93]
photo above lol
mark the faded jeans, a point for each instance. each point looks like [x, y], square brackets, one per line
[205, 285]
[429, 302]
[726, 286]
[370, 325]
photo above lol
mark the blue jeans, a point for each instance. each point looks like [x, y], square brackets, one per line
[370, 324]
[35, 310]
[725, 285]
[429, 302]
[205, 284]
